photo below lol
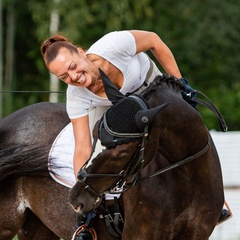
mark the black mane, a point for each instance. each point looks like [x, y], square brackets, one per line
[168, 81]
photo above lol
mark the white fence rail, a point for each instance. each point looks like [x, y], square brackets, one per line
[228, 147]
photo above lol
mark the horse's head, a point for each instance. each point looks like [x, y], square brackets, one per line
[133, 134]
[122, 130]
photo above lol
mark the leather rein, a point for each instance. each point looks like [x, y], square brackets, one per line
[135, 164]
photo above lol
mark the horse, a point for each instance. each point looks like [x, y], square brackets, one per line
[167, 171]
[33, 205]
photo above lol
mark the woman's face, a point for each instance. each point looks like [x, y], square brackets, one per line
[72, 68]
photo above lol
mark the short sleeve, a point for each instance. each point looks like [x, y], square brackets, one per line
[75, 105]
[121, 42]
[80, 101]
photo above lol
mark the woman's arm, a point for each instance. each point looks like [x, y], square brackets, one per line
[83, 144]
[151, 41]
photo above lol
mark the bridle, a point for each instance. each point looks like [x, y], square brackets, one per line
[122, 186]
[134, 165]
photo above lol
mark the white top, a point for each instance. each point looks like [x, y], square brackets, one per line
[118, 48]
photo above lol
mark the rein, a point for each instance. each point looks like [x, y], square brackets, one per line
[174, 165]
[125, 186]
[212, 107]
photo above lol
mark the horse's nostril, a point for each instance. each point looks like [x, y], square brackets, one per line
[77, 208]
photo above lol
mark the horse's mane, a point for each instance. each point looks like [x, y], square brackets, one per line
[23, 160]
[164, 80]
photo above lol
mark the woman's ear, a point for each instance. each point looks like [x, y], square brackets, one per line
[81, 52]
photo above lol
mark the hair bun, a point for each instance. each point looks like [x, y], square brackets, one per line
[52, 40]
[50, 47]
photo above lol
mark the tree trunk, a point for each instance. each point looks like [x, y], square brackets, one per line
[9, 56]
[1, 61]
[54, 81]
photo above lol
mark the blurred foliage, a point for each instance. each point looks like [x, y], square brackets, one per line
[203, 35]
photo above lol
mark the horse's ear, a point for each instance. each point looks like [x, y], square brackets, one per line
[112, 92]
[144, 117]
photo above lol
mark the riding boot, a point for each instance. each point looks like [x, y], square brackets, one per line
[84, 235]
[86, 222]
[225, 215]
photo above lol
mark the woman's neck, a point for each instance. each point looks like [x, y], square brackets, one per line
[97, 86]
[112, 71]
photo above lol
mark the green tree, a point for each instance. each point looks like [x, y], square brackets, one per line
[203, 36]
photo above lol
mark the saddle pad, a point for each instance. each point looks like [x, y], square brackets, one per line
[60, 159]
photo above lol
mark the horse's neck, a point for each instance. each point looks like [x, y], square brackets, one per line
[178, 129]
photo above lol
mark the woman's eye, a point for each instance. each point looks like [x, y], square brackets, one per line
[64, 77]
[74, 66]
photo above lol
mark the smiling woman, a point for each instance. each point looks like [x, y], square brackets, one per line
[121, 56]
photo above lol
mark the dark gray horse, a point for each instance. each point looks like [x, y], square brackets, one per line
[32, 204]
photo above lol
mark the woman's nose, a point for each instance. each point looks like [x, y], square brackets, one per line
[73, 75]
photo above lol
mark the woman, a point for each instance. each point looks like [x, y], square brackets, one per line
[121, 56]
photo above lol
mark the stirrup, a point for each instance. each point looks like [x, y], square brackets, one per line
[83, 228]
